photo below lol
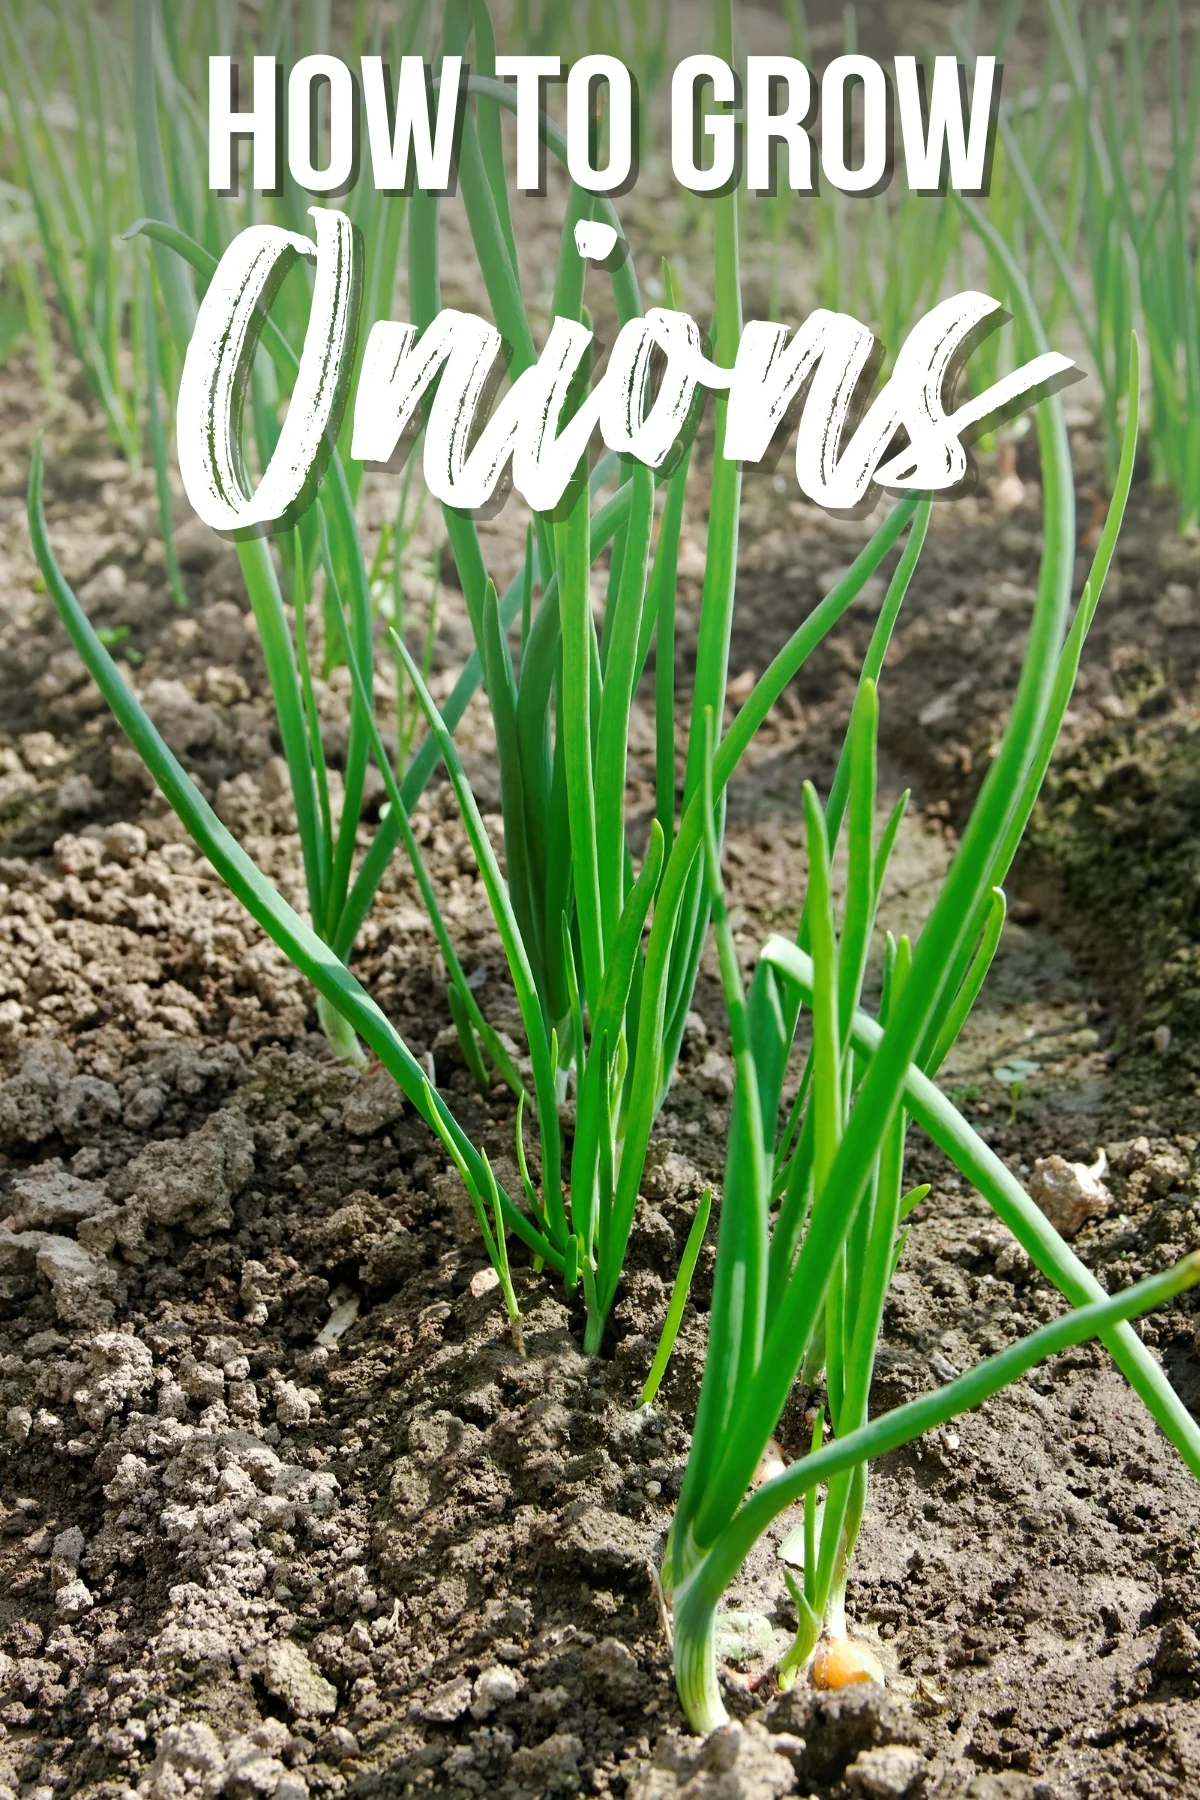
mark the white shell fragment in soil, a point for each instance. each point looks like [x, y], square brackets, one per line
[1069, 1193]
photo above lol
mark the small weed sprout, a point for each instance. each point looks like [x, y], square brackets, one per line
[1013, 1075]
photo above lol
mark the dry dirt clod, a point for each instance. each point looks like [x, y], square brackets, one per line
[79, 1281]
[27, 1099]
[448, 1702]
[193, 1181]
[495, 1686]
[74, 1599]
[189, 1761]
[892, 1772]
[739, 1762]
[291, 1677]
[18, 1422]
[1068, 1193]
[49, 1198]
[373, 1105]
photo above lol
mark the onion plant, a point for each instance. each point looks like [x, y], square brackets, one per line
[72, 157]
[603, 994]
[887, 258]
[68, 92]
[339, 991]
[603, 1005]
[1105, 231]
[811, 1217]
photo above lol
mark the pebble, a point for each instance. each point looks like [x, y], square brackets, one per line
[74, 1599]
[1069, 1194]
[495, 1686]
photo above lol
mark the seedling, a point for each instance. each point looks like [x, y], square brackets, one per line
[1013, 1075]
[603, 954]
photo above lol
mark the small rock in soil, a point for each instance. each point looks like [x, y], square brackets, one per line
[1068, 1193]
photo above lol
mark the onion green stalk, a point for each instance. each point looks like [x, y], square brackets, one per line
[81, 183]
[1087, 194]
[573, 909]
[697, 1599]
[679, 1293]
[602, 938]
[831, 1247]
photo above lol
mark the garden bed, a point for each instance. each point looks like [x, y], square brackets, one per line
[283, 1509]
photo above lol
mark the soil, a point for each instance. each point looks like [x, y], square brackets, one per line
[283, 1510]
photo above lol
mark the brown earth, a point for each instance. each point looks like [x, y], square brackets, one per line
[283, 1511]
